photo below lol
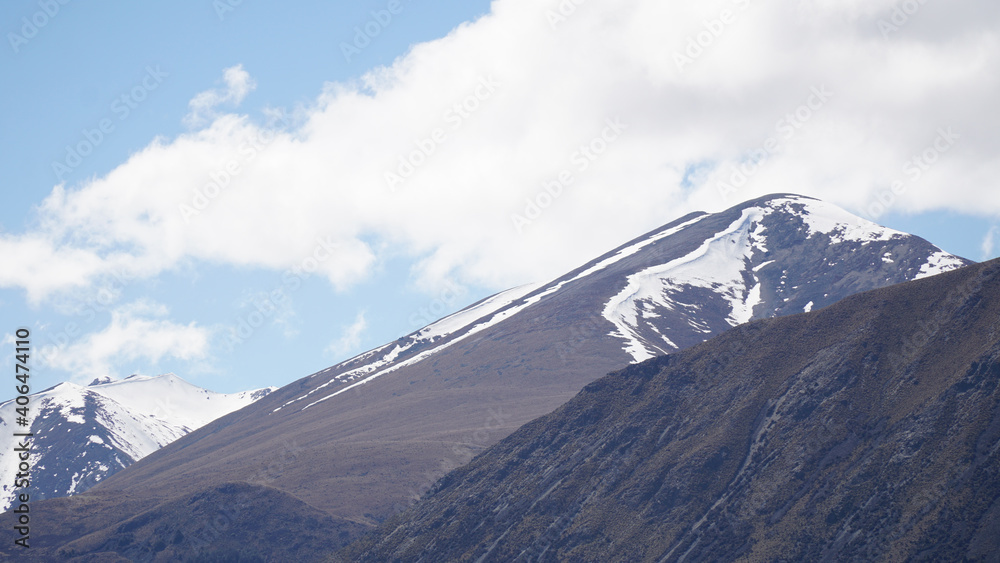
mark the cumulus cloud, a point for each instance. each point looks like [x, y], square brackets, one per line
[350, 339]
[137, 333]
[203, 106]
[486, 155]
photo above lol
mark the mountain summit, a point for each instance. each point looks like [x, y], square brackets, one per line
[680, 284]
[363, 439]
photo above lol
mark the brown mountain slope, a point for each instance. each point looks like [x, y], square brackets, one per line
[869, 430]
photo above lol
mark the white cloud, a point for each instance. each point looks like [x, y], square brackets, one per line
[138, 332]
[989, 243]
[203, 106]
[44, 265]
[239, 193]
[350, 338]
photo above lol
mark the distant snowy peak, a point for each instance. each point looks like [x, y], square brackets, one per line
[173, 400]
[84, 434]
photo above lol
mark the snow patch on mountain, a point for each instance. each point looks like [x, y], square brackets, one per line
[463, 318]
[173, 401]
[69, 402]
[718, 264]
[616, 257]
[838, 224]
[939, 263]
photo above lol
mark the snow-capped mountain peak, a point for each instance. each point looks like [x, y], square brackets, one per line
[85, 433]
[731, 265]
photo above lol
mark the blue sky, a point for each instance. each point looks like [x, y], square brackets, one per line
[389, 146]
[65, 80]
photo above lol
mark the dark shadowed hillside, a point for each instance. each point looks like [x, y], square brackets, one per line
[869, 430]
